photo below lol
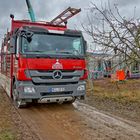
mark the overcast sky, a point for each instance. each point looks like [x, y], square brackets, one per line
[48, 9]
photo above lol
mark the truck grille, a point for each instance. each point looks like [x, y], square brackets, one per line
[50, 76]
[55, 93]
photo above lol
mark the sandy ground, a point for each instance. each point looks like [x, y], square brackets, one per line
[78, 121]
[12, 126]
[129, 111]
[122, 100]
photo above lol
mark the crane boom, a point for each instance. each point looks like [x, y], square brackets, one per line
[65, 15]
[31, 11]
[61, 18]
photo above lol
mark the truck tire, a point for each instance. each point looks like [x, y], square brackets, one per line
[19, 103]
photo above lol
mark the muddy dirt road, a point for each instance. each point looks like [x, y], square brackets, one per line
[77, 122]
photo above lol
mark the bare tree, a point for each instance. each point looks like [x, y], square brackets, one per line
[113, 33]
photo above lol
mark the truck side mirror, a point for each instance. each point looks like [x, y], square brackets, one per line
[12, 46]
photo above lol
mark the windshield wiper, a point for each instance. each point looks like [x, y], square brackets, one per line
[65, 52]
[77, 57]
[74, 57]
[42, 56]
[35, 51]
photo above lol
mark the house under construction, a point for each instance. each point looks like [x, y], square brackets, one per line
[103, 65]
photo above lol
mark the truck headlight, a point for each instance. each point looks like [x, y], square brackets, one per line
[81, 88]
[29, 90]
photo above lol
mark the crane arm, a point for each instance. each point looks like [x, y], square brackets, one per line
[65, 15]
[31, 11]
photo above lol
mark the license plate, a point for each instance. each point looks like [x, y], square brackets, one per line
[56, 89]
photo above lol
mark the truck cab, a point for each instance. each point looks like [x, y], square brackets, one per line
[47, 63]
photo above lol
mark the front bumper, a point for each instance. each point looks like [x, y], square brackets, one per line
[47, 91]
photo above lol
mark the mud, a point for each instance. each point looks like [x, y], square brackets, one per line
[78, 122]
[11, 123]
[129, 110]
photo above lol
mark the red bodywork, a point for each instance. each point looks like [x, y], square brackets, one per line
[18, 23]
[45, 64]
[18, 66]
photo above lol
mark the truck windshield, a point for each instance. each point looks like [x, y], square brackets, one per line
[53, 45]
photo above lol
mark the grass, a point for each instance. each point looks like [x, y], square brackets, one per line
[127, 91]
[7, 135]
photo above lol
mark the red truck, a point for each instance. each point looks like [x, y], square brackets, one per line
[43, 62]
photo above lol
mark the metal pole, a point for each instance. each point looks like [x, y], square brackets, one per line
[31, 11]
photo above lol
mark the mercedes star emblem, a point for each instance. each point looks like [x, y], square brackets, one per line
[57, 74]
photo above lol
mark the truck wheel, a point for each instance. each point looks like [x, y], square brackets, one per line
[19, 103]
